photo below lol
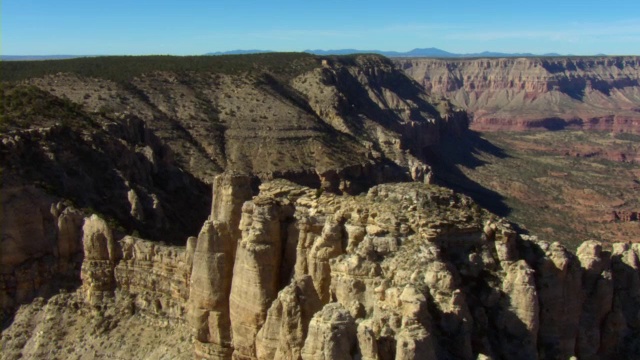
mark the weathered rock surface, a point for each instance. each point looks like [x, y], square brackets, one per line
[131, 304]
[407, 271]
[154, 278]
[132, 152]
[116, 167]
[332, 334]
[599, 93]
[62, 327]
[414, 271]
[213, 263]
[39, 247]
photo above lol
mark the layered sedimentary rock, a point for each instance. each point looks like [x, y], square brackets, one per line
[140, 152]
[213, 264]
[116, 167]
[153, 279]
[131, 152]
[131, 303]
[600, 93]
[413, 271]
[344, 125]
[407, 271]
[332, 334]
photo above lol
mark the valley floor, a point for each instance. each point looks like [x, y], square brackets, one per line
[566, 186]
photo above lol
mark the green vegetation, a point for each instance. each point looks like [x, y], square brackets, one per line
[125, 68]
[23, 105]
[627, 137]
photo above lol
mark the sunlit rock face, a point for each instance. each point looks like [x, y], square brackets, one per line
[598, 93]
[410, 271]
[407, 271]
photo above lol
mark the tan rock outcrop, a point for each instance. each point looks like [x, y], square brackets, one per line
[153, 279]
[97, 274]
[332, 335]
[559, 280]
[597, 295]
[156, 278]
[285, 329]
[256, 273]
[213, 262]
[70, 222]
[325, 247]
[136, 206]
[521, 318]
[208, 293]
[407, 271]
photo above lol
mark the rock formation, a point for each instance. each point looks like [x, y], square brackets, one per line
[405, 271]
[41, 241]
[599, 93]
[153, 279]
[411, 271]
[213, 264]
[354, 267]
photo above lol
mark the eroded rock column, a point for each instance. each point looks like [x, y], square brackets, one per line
[213, 261]
[256, 273]
[100, 254]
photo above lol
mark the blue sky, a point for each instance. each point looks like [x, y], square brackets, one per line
[192, 27]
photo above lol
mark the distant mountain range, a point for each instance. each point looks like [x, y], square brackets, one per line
[424, 52]
[420, 52]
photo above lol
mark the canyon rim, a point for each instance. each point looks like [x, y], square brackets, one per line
[288, 206]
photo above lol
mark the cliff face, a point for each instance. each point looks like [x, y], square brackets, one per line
[600, 93]
[346, 124]
[350, 269]
[141, 151]
[130, 304]
[408, 271]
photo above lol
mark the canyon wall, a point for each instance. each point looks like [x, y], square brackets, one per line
[345, 124]
[141, 152]
[599, 93]
[406, 271]
[350, 268]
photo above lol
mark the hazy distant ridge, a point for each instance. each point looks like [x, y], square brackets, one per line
[418, 52]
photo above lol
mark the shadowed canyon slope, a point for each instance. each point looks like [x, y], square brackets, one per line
[601, 93]
[149, 141]
[274, 206]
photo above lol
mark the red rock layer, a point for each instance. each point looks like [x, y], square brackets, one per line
[595, 93]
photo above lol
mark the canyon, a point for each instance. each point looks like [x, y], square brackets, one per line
[567, 185]
[596, 93]
[290, 206]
